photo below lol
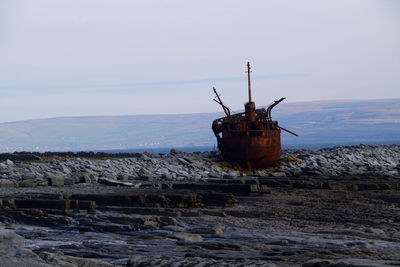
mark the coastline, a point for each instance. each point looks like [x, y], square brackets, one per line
[337, 204]
[336, 161]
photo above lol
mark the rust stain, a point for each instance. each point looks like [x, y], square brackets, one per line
[295, 160]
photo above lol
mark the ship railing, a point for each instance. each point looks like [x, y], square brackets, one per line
[261, 114]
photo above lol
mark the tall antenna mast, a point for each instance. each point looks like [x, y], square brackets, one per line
[248, 78]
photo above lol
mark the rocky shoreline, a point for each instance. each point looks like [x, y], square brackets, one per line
[56, 169]
[85, 209]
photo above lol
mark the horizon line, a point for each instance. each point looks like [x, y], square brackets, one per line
[197, 113]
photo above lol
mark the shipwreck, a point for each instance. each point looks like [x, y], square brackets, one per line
[250, 138]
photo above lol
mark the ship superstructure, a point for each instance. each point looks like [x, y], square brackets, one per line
[251, 138]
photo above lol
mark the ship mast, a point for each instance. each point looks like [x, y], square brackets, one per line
[248, 78]
[250, 108]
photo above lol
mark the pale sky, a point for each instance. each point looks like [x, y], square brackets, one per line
[115, 57]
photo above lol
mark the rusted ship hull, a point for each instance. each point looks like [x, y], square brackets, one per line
[250, 138]
[252, 151]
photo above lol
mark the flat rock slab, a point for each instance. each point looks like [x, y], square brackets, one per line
[350, 263]
[113, 182]
[286, 227]
[234, 188]
[186, 237]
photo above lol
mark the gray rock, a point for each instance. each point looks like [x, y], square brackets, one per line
[186, 237]
[31, 233]
[143, 172]
[201, 259]
[95, 168]
[27, 183]
[29, 176]
[215, 174]
[183, 161]
[277, 174]
[59, 259]
[166, 176]
[209, 230]
[174, 228]
[113, 182]
[9, 163]
[175, 151]
[3, 166]
[56, 180]
[163, 221]
[375, 231]
[69, 181]
[65, 169]
[259, 173]
[86, 179]
[43, 183]
[122, 177]
[231, 175]
[151, 225]
[75, 168]
[5, 183]
[350, 263]
[196, 177]
[12, 252]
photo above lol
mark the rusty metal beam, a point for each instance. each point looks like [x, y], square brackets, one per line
[219, 101]
[286, 130]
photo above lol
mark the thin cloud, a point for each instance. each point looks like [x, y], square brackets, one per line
[160, 83]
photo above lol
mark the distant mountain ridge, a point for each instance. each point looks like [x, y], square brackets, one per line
[338, 121]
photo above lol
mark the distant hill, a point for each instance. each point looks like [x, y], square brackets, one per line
[316, 122]
[341, 121]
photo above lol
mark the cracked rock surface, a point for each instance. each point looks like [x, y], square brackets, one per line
[331, 207]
